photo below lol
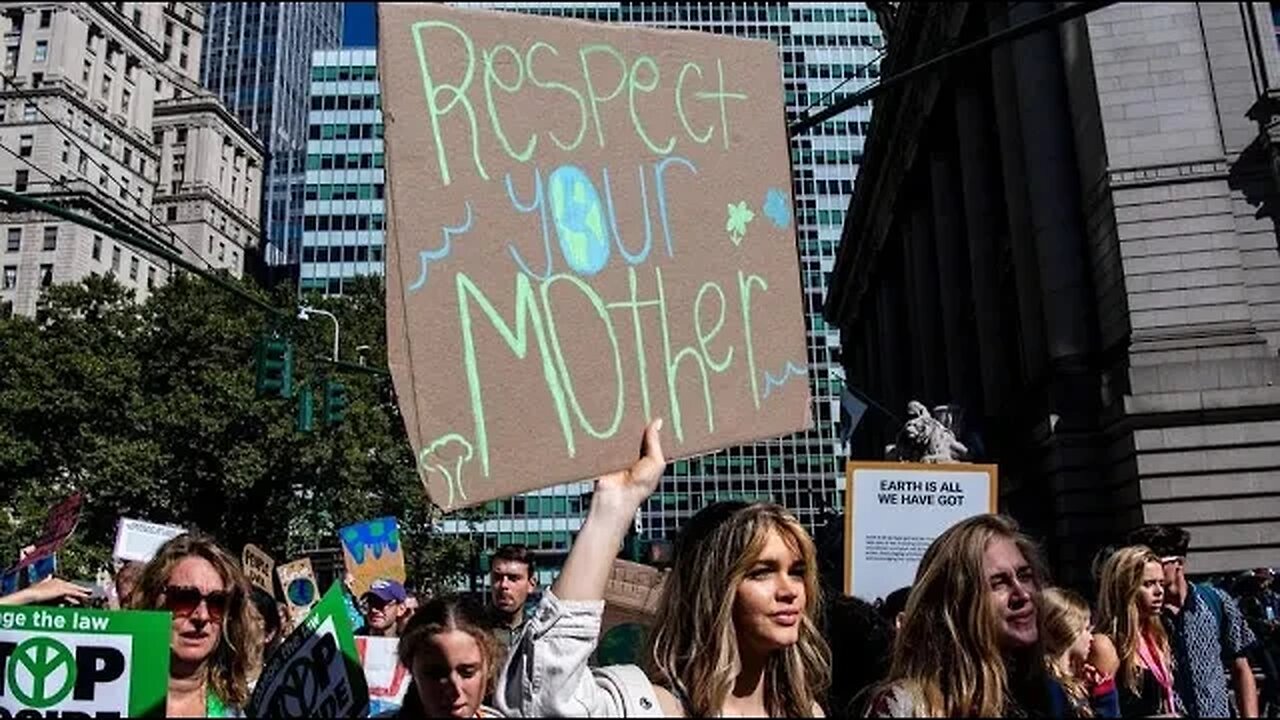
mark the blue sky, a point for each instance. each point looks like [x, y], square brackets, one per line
[358, 25]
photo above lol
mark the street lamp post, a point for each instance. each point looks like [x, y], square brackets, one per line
[305, 312]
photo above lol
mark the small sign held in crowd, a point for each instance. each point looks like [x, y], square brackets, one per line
[388, 679]
[83, 663]
[257, 567]
[894, 510]
[316, 672]
[372, 550]
[138, 540]
[298, 582]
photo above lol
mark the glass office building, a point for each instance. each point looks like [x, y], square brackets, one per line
[257, 58]
[345, 176]
[819, 45]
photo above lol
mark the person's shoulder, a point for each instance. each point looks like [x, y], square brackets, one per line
[1103, 655]
[671, 706]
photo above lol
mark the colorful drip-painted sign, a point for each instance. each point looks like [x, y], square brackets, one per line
[589, 227]
[372, 550]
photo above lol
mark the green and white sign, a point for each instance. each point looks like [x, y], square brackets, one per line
[316, 672]
[74, 663]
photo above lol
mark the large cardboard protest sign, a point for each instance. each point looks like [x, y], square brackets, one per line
[372, 550]
[893, 511]
[82, 663]
[316, 670]
[138, 540]
[589, 226]
[388, 680]
[257, 566]
[298, 583]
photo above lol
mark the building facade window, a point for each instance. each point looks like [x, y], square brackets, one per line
[97, 247]
[46, 275]
[115, 259]
[20, 178]
[133, 268]
[42, 51]
[14, 240]
[25, 143]
[50, 238]
[10, 277]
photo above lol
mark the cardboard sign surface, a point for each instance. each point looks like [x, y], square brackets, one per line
[257, 566]
[298, 582]
[372, 550]
[589, 226]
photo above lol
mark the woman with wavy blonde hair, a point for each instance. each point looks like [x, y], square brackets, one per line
[1066, 633]
[215, 640]
[736, 630]
[969, 641]
[1131, 642]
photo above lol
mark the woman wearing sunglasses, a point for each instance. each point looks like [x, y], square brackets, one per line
[215, 641]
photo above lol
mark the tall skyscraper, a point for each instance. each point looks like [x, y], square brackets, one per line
[827, 50]
[100, 112]
[342, 233]
[257, 58]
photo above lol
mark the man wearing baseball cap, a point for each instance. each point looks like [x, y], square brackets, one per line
[383, 607]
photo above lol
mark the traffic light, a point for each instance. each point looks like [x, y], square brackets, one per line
[306, 410]
[275, 366]
[335, 402]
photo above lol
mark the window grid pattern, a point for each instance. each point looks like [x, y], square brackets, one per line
[343, 227]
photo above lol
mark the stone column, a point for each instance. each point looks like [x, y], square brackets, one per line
[983, 206]
[927, 345]
[1053, 189]
[955, 296]
[1026, 268]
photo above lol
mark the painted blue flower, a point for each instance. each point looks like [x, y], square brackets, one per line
[776, 207]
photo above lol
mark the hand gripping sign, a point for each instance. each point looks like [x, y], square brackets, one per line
[316, 671]
[78, 663]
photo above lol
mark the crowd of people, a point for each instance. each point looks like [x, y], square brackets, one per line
[742, 627]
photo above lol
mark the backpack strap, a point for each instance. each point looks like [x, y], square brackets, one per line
[632, 687]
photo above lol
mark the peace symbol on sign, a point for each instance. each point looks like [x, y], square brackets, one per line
[298, 690]
[34, 670]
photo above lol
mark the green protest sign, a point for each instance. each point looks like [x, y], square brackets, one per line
[316, 672]
[58, 662]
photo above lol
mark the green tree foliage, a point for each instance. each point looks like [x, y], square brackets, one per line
[150, 410]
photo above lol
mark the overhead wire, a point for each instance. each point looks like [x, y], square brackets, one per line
[1050, 19]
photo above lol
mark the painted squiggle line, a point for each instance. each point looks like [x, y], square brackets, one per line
[788, 372]
[429, 256]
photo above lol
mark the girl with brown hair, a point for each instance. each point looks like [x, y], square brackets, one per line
[736, 631]
[450, 650]
[215, 641]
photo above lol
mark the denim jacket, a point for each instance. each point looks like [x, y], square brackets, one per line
[546, 674]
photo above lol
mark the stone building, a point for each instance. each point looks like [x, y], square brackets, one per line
[1072, 236]
[91, 96]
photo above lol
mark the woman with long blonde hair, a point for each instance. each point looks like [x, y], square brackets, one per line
[1066, 634]
[969, 640]
[215, 641]
[1131, 642]
[736, 630]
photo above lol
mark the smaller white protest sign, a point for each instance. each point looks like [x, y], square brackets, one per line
[138, 540]
[894, 511]
[388, 679]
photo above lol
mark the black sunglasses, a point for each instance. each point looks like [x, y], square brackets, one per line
[183, 601]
